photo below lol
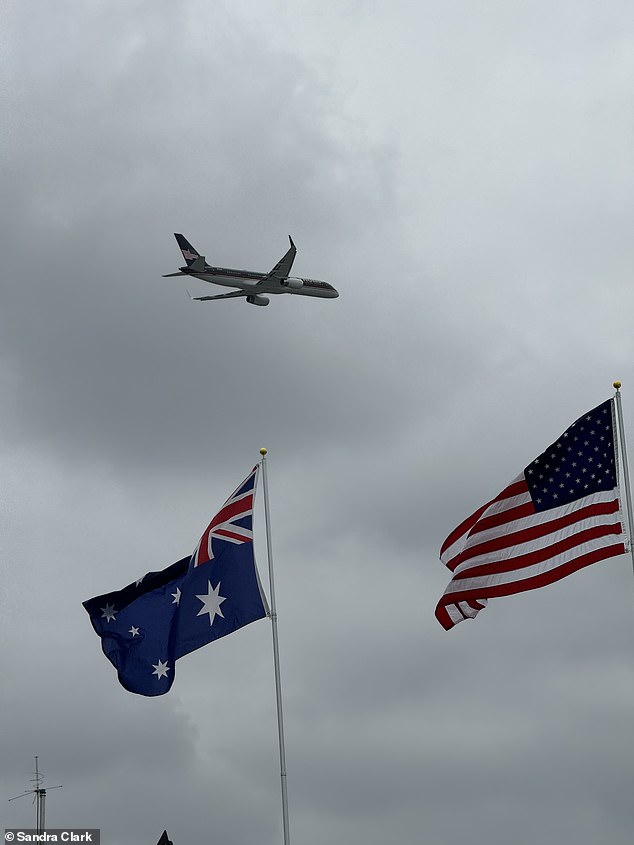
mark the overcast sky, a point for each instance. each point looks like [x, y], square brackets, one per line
[463, 173]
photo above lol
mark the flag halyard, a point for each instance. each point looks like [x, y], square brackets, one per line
[560, 514]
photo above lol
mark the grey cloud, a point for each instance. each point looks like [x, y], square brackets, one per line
[461, 175]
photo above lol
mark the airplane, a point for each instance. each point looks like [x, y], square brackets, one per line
[256, 287]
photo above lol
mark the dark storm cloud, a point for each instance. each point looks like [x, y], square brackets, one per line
[121, 360]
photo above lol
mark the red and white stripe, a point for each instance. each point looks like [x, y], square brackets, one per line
[506, 547]
[223, 525]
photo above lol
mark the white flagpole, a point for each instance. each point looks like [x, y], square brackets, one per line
[276, 654]
[626, 471]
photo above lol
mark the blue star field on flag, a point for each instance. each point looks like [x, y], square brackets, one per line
[165, 615]
[580, 462]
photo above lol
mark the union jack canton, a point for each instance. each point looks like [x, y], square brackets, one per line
[232, 524]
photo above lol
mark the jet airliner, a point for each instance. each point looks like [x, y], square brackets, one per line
[255, 286]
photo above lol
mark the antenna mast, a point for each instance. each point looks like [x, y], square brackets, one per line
[40, 797]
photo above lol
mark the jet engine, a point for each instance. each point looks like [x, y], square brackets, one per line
[293, 283]
[258, 299]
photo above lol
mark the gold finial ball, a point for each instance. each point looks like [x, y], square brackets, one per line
[616, 385]
[263, 451]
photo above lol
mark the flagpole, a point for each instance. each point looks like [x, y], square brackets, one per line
[276, 654]
[626, 471]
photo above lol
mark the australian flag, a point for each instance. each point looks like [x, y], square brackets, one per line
[148, 625]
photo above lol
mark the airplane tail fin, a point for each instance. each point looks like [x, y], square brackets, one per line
[190, 254]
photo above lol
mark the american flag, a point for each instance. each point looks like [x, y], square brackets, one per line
[560, 514]
[232, 524]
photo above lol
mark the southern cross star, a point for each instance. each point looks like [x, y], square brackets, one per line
[108, 612]
[211, 603]
[160, 669]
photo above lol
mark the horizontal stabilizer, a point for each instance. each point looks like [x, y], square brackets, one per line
[198, 265]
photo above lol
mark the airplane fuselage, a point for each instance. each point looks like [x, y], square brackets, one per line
[248, 279]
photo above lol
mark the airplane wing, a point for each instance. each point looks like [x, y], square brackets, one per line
[231, 295]
[282, 269]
